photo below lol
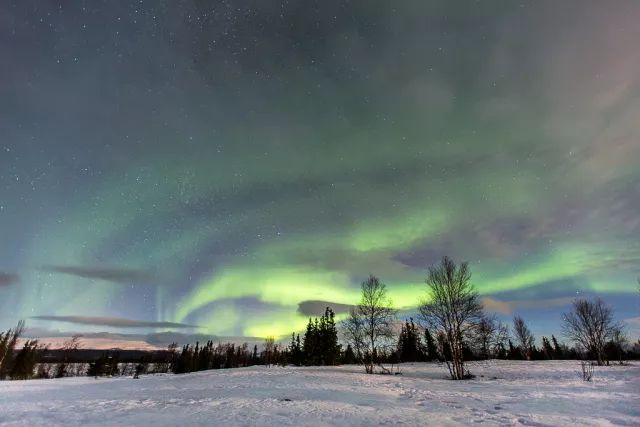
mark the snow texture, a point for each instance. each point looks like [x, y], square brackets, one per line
[503, 393]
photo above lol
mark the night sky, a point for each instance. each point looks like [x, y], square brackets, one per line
[238, 165]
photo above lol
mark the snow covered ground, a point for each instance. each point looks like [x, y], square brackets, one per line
[504, 393]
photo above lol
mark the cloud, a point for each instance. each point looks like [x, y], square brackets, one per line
[7, 279]
[115, 322]
[316, 308]
[95, 343]
[508, 307]
[117, 275]
[634, 322]
[151, 341]
[502, 307]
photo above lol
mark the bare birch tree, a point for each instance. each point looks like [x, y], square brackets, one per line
[490, 336]
[590, 325]
[452, 309]
[524, 337]
[370, 324]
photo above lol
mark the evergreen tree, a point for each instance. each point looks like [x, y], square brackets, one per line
[557, 350]
[8, 342]
[254, 356]
[547, 349]
[99, 367]
[25, 361]
[320, 344]
[501, 352]
[514, 352]
[349, 357]
[432, 349]
[409, 348]
[295, 351]
[309, 346]
[330, 349]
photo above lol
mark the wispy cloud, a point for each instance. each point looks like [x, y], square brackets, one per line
[7, 279]
[108, 340]
[116, 322]
[110, 274]
[508, 307]
[316, 307]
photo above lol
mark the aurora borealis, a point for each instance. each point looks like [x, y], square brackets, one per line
[236, 164]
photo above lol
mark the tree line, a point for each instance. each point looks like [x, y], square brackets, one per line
[452, 328]
[457, 328]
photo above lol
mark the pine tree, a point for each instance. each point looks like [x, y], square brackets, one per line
[547, 349]
[254, 356]
[349, 357]
[557, 350]
[25, 361]
[409, 347]
[501, 352]
[8, 342]
[514, 353]
[329, 339]
[309, 343]
[295, 351]
[432, 349]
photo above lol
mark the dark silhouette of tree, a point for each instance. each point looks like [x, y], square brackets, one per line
[320, 343]
[329, 348]
[410, 348]
[140, 369]
[614, 348]
[105, 365]
[8, 342]
[369, 327]
[254, 356]
[590, 325]
[557, 349]
[489, 336]
[68, 347]
[349, 357]
[523, 336]
[451, 308]
[431, 347]
[514, 352]
[296, 356]
[310, 343]
[25, 361]
[269, 351]
[547, 349]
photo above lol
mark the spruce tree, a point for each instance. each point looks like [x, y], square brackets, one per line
[432, 349]
[25, 361]
[309, 346]
[330, 346]
[557, 350]
[547, 349]
[409, 347]
[349, 357]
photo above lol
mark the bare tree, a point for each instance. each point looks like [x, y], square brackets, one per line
[618, 342]
[524, 337]
[452, 309]
[370, 324]
[590, 325]
[490, 336]
[353, 331]
[68, 348]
